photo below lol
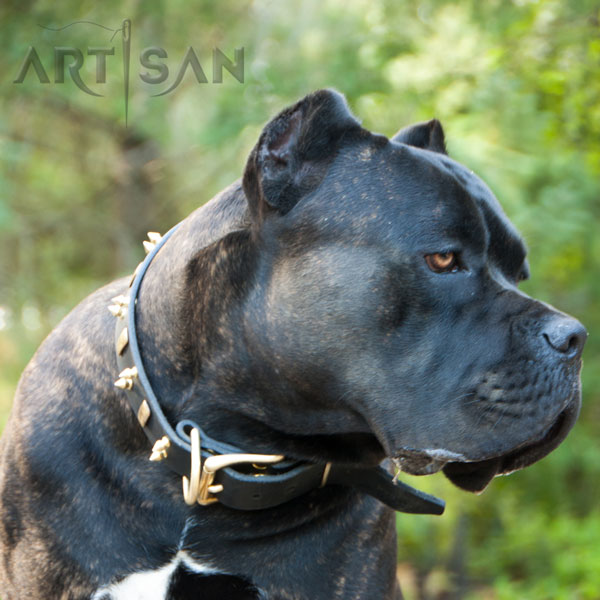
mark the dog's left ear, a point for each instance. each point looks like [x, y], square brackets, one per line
[428, 135]
[294, 150]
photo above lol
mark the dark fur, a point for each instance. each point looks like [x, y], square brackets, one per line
[293, 314]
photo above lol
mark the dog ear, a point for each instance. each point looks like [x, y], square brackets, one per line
[428, 135]
[294, 150]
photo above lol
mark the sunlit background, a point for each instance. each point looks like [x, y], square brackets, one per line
[517, 88]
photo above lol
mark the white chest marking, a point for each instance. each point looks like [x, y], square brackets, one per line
[150, 585]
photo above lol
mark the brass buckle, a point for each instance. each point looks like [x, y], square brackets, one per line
[213, 464]
[199, 487]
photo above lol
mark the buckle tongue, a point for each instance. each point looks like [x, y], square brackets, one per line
[220, 461]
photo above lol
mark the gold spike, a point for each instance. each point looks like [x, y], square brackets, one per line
[148, 246]
[121, 300]
[122, 341]
[117, 311]
[160, 449]
[143, 413]
[129, 372]
[154, 237]
[124, 384]
[126, 377]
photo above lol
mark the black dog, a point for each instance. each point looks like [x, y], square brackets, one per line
[353, 298]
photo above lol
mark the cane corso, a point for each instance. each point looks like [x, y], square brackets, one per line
[350, 304]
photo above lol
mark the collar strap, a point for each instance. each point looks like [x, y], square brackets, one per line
[214, 471]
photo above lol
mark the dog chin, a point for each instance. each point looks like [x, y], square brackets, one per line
[474, 475]
[425, 462]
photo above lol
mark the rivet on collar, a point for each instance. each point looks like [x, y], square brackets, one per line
[122, 341]
[143, 413]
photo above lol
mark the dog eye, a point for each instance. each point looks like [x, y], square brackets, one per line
[442, 262]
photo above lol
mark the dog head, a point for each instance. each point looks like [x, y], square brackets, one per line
[387, 301]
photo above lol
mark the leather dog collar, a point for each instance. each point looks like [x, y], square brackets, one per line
[214, 471]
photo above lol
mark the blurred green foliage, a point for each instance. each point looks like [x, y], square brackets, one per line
[517, 87]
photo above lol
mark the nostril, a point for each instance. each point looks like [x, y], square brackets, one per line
[566, 335]
[574, 343]
[567, 346]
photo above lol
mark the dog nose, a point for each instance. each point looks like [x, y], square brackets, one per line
[566, 335]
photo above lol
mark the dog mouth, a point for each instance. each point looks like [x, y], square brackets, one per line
[474, 475]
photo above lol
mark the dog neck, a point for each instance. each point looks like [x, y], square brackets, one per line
[199, 363]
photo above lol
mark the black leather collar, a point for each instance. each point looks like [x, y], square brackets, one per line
[223, 472]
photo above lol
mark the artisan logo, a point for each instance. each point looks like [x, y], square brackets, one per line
[156, 73]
